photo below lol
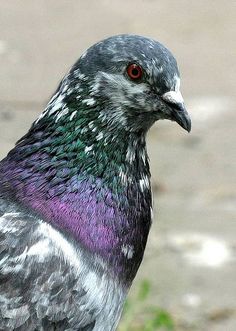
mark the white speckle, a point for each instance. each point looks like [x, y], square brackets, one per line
[84, 54]
[65, 87]
[54, 104]
[130, 155]
[83, 130]
[99, 136]
[89, 102]
[76, 73]
[20, 258]
[56, 95]
[13, 214]
[21, 314]
[123, 176]
[128, 251]
[151, 212]
[61, 113]
[91, 125]
[96, 86]
[88, 149]
[73, 115]
[69, 91]
[7, 224]
[40, 117]
[81, 76]
[143, 156]
[57, 104]
[144, 183]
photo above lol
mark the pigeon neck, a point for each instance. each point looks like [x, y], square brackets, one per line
[99, 196]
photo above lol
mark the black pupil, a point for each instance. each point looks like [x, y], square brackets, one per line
[135, 72]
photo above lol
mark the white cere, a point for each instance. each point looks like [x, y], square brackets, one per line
[173, 97]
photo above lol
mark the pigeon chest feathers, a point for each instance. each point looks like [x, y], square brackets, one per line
[83, 165]
[97, 191]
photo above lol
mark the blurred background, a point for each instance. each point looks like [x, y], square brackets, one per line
[187, 279]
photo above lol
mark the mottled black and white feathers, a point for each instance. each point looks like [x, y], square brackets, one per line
[44, 283]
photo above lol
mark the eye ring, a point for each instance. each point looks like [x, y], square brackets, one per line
[134, 71]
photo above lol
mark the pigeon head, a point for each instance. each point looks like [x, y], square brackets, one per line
[136, 78]
[125, 83]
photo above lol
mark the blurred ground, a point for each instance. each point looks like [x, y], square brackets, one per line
[191, 254]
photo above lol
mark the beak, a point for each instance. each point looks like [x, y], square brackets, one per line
[178, 112]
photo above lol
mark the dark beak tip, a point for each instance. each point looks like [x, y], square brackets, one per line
[188, 125]
[182, 117]
[189, 129]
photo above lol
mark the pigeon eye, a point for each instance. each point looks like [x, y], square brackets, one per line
[134, 71]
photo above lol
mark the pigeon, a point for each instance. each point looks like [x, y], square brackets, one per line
[75, 194]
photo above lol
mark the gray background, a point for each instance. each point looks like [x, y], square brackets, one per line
[191, 254]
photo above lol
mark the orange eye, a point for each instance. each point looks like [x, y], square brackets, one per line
[134, 71]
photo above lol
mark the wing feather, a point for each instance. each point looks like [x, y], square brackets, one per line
[40, 287]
